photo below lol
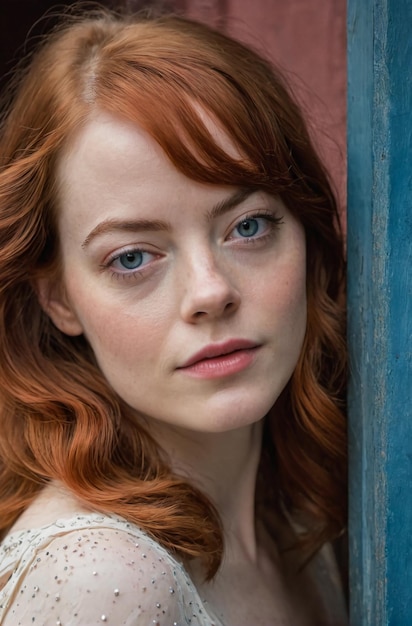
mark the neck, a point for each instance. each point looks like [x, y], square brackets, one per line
[224, 466]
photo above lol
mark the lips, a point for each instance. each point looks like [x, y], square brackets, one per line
[213, 351]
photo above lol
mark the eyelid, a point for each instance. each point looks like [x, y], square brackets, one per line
[138, 272]
[272, 217]
[127, 249]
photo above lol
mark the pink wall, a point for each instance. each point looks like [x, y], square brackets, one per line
[307, 40]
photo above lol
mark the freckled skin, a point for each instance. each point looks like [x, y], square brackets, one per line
[200, 282]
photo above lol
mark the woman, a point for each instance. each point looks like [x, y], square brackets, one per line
[172, 440]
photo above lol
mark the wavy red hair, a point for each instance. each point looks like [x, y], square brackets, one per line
[59, 419]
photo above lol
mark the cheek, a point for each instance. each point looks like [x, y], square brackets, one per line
[284, 295]
[286, 318]
[118, 330]
[291, 316]
[293, 296]
[295, 300]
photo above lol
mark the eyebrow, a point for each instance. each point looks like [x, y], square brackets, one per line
[113, 225]
[229, 203]
[139, 225]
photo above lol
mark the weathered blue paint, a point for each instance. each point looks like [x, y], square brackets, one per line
[380, 310]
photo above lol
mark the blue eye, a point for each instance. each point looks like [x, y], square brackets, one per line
[133, 263]
[131, 260]
[256, 228]
[248, 227]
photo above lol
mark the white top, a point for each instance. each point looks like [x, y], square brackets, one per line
[130, 579]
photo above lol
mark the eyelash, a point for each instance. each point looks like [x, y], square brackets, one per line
[126, 275]
[139, 273]
[274, 223]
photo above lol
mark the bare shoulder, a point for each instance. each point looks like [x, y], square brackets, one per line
[93, 575]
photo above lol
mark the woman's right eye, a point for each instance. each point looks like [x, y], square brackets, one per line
[130, 260]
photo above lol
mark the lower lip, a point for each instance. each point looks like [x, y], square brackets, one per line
[225, 365]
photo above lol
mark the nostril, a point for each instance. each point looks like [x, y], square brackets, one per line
[229, 306]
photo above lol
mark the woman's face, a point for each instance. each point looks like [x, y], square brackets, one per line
[192, 296]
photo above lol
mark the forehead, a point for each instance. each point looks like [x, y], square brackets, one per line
[102, 142]
[220, 136]
[107, 165]
[114, 150]
[115, 169]
[104, 131]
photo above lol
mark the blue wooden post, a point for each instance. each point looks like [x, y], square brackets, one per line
[380, 310]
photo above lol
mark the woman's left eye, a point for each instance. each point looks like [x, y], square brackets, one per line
[248, 227]
[254, 227]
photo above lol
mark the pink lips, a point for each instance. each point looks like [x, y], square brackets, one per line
[222, 359]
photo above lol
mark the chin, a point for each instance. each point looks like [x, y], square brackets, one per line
[238, 415]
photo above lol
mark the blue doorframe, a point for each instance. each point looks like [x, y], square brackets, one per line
[380, 310]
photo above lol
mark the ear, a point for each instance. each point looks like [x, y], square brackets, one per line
[54, 301]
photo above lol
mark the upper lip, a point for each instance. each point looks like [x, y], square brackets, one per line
[219, 349]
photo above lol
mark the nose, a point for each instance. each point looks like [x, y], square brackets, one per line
[209, 292]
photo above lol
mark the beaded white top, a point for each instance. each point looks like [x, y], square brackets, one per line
[89, 569]
[129, 578]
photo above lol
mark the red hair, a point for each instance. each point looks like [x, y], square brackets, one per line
[59, 419]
